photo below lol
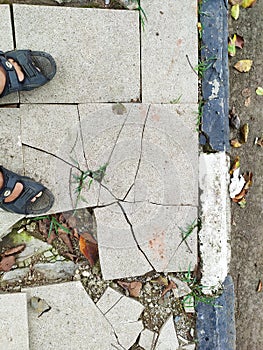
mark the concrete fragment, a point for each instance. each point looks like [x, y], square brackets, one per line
[15, 275]
[56, 270]
[215, 217]
[167, 338]
[182, 288]
[108, 300]
[123, 316]
[147, 339]
[69, 304]
[7, 220]
[13, 322]
[83, 50]
[168, 37]
[191, 346]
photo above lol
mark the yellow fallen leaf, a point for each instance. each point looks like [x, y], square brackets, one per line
[232, 46]
[235, 143]
[248, 3]
[243, 65]
[235, 165]
[244, 132]
[235, 11]
[259, 91]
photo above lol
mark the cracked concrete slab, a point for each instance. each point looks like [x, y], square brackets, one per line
[150, 240]
[123, 315]
[114, 140]
[52, 147]
[14, 323]
[119, 254]
[90, 49]
[167, 39]
[7, 44]
[147, 339]
[70, 305]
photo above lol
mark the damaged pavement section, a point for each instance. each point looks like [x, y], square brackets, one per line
[149, 192]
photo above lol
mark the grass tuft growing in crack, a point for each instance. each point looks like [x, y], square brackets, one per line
[197, 291]
[54, 224]
[186, 232]
[142, 14]
[204, 65]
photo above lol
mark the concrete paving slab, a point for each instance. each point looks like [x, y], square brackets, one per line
[169, 163]
[169, 35]
[167, 338]
[14, 323]
[120, 256]
[70, 305]
[215, 217]
[6, 39]
[52, 147]
[123, 315]
[90, 49]
[112, 135]
[7, 220]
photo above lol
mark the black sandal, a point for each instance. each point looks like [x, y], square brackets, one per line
[22, 204]
[38, 68]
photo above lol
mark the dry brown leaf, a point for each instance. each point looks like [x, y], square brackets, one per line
[89, 250]
[43, 227]
[7, 262]
[15, 250]
[239, 41]
[259, 141]
[170, 286]
[72, 221]
[66, 239]
[51, 237]
[259, 287]
[162, 281]
[134, 288]
[72, 257]
[235, 165]
[248, 178]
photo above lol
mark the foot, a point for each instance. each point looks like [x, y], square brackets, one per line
[16, 191]
[19, 72]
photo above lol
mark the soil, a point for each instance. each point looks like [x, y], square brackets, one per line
[247, 223]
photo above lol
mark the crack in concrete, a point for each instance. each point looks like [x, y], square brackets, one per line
[134, 236]
[140, 157]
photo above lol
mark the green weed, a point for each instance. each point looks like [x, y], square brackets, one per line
[142, 14]
[203, 66]
[188, 231]
[177, 100]
[54, 224]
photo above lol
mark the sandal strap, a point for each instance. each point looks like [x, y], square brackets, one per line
[23, 58]
[12, 82]
[30, 188]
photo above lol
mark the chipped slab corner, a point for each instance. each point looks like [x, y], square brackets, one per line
[215, 218]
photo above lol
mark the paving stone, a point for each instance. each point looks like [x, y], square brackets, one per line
[147, 339]
[50, 156]
[70, 305]
[119, 255]
[6, 39]
[123, 315]
[167, 337]
[168, 167]
[115, 140]
[169, 34]
[90, 49]
[13, 323]
[108, 300]
[215, 217]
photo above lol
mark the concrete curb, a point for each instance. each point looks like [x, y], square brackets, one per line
[215, 325]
